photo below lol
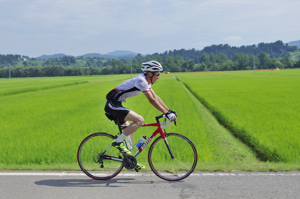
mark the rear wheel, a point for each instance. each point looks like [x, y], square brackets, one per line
[95, 161]
[184, 158]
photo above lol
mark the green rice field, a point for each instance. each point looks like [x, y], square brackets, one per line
[22, 85]
[261, 109]
[43, 120]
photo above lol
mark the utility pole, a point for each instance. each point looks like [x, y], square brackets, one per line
[131, 67]
[254, 64]
[9, 71]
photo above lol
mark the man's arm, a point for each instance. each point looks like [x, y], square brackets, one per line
[156, 101]
[160, 101]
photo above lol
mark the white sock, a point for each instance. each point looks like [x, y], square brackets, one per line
[120, 138]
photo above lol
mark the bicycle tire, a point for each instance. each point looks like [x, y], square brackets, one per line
[88, 155]
[181, 166]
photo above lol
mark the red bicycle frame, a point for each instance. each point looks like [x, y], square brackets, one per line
[158, 130]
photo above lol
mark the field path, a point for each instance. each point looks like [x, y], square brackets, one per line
[31, 185]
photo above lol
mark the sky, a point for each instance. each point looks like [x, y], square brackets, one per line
[76, 27]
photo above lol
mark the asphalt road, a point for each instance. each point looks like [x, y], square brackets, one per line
[39, 185]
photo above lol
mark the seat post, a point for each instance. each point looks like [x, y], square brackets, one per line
[119, 125]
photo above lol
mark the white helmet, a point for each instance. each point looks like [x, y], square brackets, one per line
[151, 66]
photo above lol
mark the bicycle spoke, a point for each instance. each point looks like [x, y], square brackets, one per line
[168, 153]
[181, 166]
[97, 159]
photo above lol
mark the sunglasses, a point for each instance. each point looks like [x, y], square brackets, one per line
[157, 74]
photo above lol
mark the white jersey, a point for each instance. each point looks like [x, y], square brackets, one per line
[129, 88]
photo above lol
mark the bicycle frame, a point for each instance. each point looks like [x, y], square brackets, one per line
[159, 130]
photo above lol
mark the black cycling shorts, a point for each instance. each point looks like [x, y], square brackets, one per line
[116, 109]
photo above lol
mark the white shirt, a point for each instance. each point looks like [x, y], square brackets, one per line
[132, 87]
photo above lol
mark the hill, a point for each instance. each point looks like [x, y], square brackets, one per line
[51, 56]
[295, 43]
[91, 55]
[121, 53]
[114, 54]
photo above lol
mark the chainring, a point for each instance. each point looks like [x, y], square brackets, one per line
[129, 161]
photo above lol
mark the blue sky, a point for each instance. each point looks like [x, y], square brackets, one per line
[77, 27]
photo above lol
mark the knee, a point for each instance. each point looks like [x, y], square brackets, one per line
[140, 121]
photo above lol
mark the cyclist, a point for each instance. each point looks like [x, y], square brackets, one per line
[130, 88]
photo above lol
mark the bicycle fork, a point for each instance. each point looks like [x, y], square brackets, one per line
[168, 146]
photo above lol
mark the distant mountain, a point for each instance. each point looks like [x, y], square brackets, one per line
[91, 55]
[115, 54]
[51, 56]
[294, 43]
[121, 53]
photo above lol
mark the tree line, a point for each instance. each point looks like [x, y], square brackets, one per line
[212, 58]
[219, 62]
[274, 50]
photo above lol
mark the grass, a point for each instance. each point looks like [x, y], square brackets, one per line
[42, 129]
[262, 109]
[23, 85]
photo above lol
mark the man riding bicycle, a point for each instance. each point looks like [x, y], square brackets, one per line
[130, 88]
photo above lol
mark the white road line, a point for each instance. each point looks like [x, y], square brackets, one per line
[146, 174]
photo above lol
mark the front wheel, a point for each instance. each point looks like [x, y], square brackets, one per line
[172, 159]
[97, 159]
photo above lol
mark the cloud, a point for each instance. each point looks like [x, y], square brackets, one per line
[233, 38]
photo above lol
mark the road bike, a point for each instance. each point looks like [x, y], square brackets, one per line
[171, 156]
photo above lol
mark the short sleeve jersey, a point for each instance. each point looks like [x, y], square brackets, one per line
[130, 88]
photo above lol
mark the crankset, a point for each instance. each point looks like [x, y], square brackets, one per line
[129, 161]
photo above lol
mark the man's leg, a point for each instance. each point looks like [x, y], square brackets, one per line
[138, 121]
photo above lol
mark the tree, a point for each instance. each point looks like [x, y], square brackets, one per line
[204, 58]
[188, 65]
[178, 63]
[215, 67]
[169, 64]
[264, 60]
[4, 72]
[107, 70]
[203, 67]
[221, 58]
[242, 60]
[297, 64]
[278, 64]
[286, 61]
[212, 59]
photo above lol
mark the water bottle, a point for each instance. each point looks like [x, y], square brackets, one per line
[140, 142]
[128, 142]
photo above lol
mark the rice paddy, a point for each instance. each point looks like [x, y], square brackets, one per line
[43, 120]
[261, 109]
